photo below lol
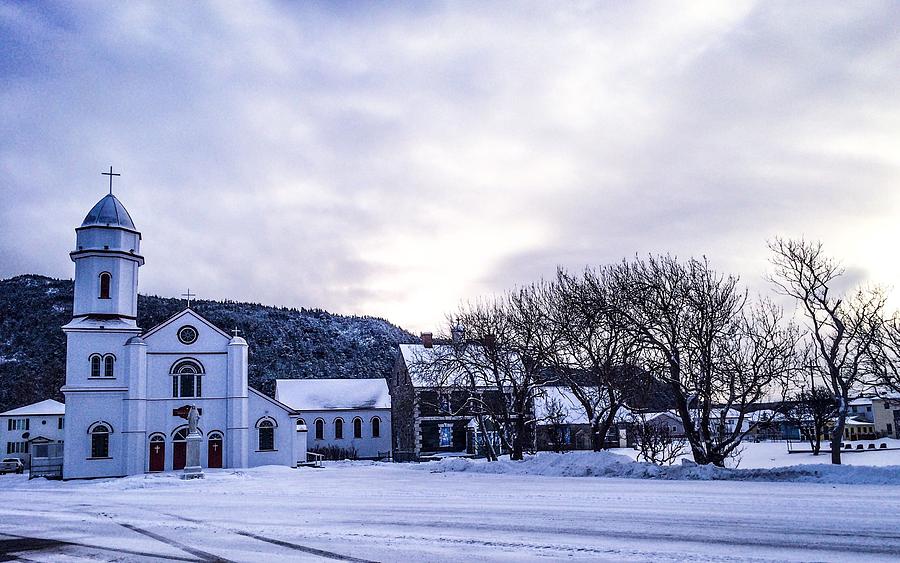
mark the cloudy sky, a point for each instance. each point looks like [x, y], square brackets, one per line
[394, 159]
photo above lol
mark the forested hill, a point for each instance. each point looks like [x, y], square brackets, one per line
[284, 343]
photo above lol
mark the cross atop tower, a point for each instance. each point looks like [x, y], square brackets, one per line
[111, 174]
[189, 295]
[236, 331]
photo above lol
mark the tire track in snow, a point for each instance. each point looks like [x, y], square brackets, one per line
[274, 541]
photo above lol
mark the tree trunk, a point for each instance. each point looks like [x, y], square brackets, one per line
[516, 454]
[838, 433]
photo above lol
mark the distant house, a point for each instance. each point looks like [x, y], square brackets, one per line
[858, 428]
[668, 420]
[861, 407]
[561, 422]
[353, 415]
[32, 431]
[886, 416]
[436, 416]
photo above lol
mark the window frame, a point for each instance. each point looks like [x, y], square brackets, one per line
[100, 432]
[338, 424]
[181, 374]
[105, 291]
[375, 426]
[96, 361]
[267, 425]
[109, 366]
[320, 428]
[357, 428]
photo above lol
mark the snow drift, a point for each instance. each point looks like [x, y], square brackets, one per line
[606, 464]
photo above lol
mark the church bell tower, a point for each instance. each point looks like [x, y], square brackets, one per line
[105, 386]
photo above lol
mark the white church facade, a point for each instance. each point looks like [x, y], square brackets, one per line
[123, 384]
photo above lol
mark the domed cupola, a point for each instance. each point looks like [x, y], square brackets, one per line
[107, 257]
[109, 212]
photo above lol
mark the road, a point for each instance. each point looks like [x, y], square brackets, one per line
[396, 513]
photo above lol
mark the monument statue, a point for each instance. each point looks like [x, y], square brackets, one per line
[192, 469]
[193, 419]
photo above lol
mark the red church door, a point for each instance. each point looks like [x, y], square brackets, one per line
[179, 447]
[157, 453]
[214, 451]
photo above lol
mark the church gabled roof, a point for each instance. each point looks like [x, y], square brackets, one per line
[184, 312]
[109, 212]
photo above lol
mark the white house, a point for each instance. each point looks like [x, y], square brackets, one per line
[346, 414]
[123, 384]
[31, 430]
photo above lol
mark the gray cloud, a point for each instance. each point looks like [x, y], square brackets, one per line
[393, 160]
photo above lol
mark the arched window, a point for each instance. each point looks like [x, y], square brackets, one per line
[109, 362]
[266, 429]
[95, 365]
[100, 440]
[376, 427]
[187, 379]
[320, 429]
[357, 427]
[301, 423]
[105, 279]
[338, 428]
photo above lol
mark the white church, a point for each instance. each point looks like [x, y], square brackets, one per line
[124, 384]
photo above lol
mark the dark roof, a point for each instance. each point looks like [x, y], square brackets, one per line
[109, 212]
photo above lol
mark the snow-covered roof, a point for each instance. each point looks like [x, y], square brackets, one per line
[861, 402]
[854, 421]
[418, 358]
[328, 394]
[558, 401]
[47, 407]
[655, 415]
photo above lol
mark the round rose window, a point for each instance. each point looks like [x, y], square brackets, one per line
[187, 334]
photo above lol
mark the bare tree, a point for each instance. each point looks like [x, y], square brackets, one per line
[718, 358]
[887, 357]
[592, 354]
[655, 441]
[812, 410]
[498, 344]
[844, 329]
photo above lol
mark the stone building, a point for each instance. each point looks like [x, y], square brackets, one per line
[436, 416]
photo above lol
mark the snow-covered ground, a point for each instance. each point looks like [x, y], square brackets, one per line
[434, 512]
[775, 454]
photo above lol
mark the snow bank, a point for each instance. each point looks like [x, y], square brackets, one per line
[606, 464]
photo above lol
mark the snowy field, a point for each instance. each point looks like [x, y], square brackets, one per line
[445, 511]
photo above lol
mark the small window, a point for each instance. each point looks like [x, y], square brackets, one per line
[100, 441]
[105, 280]
[339, 429]
[95, 366]
[376, 427]
[446, 435]
[109, 365]
[61, 423]
[300, 422]
[320, 429]
[266, 435]
[357, 427]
